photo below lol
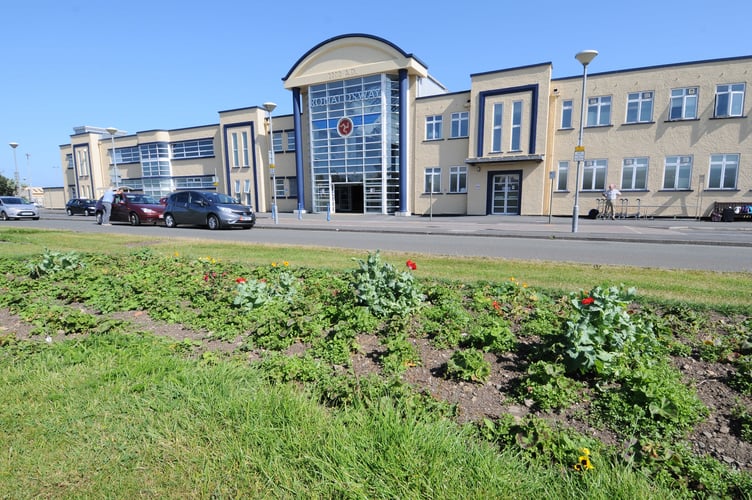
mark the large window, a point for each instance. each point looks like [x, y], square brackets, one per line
[460, 124]
[199, 148]
[290, 140]
[594, 175]
[498, 112]
[683, 104]
[432, 180]
[634, 173]
[677, 172]
[458, 180]
[640, 107]
[723, 171]
[567, 108]
[244, 147]
[433, 127]
[729, 100]
[155, 159]
[127, 155]
[599, 111]
[561, 177]
[277, 141]
[235, 150]
[516, 125]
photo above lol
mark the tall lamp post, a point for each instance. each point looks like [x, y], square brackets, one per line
[112, 131]
[14, 145]
[269, 107]
[585, 57]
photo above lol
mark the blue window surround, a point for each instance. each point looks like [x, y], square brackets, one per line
[251, 147]
[533, 89]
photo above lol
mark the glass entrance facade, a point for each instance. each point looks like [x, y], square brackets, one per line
[354, 127]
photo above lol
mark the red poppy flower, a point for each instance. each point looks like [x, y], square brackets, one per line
[412, 265]
[587, 301]
[240, 280]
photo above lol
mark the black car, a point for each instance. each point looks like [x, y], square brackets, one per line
[207, 208]
[81, 206]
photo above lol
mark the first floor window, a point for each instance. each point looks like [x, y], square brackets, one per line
[561, 178]
[279, 187]
[677, 172]
[723, 171]
[433, 180]
[634, 173]
[639, 107]
[235, 152]
[459, 124]
[683, 104]
[292, 185]
[458, 180]
[599, 111]
[729, 100]
[237, 190]
[594, 175]
[498, 111]
[516, 125]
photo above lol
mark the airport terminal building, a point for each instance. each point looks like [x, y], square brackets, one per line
[373, 132]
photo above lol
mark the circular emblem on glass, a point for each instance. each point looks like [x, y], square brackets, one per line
[344, 126]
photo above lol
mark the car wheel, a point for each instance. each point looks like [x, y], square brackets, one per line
[35, 218]
[99, 217]
[213, 222]
[169, 221]
[3, 216]
[134, 219]
[69, 211]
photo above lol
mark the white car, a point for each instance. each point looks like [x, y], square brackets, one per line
[15, 207]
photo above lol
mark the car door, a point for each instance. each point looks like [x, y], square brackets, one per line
[197, 208]
[119, 209]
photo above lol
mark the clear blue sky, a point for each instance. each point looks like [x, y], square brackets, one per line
[164, 64]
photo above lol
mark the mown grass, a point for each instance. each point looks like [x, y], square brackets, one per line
[120, 416]
[704, 289]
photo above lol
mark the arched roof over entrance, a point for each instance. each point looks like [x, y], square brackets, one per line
[348, 56]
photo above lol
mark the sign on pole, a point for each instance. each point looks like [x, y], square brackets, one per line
[579, 153]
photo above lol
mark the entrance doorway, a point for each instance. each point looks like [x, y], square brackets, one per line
[348, 198]
[505, 193]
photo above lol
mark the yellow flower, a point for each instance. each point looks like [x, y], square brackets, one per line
[177, 254]
[274, 264]
[583, 462]
[285, 263]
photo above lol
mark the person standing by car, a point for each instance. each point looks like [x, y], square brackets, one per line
[107, 199]
[611, 195]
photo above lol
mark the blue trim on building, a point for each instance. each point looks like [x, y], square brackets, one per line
[533, 89]
[403, 173]
[296, 112]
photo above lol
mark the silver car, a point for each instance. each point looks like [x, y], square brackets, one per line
[15, 207]
[207, 208]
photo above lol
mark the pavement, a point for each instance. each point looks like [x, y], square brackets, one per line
[666, 230]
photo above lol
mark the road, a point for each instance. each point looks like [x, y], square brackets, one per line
[453, 239]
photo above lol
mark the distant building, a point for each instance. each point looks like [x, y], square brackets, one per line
[372, 132]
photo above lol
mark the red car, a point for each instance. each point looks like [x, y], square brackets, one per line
[136, 208]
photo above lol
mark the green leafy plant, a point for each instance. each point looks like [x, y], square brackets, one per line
[383, 289]
[468, 365]
[53, 262]
[547, 385]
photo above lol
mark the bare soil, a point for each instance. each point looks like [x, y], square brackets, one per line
[718, 436]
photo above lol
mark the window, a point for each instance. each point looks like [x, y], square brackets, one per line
[433, 180]
[460, 124]
[235, 152]
[683, 104]
[237, 190]
[280, 187]
[290, 140]
[677, 172]
[155, 159]
[458, 179]
[83, 162]
[292, 185]
[498, 111]
[594, 175]
[127, 155]
[599, 111]
[723, 171]
[634, 173]
[567, 108]
[729, 100]
[561, 178]
[69, 161]
[277, 141]
[199, 148]
[639, 107]
[244, 148]
[433, 127]
[516, 125]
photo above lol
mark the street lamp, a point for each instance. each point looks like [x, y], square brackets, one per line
[269, 107]
[112, 131]
[14, 145]
[585, 57]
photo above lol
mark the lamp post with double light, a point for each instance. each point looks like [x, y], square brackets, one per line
[112, 131]
[17, 178]
[585, 57]
[269, 107]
